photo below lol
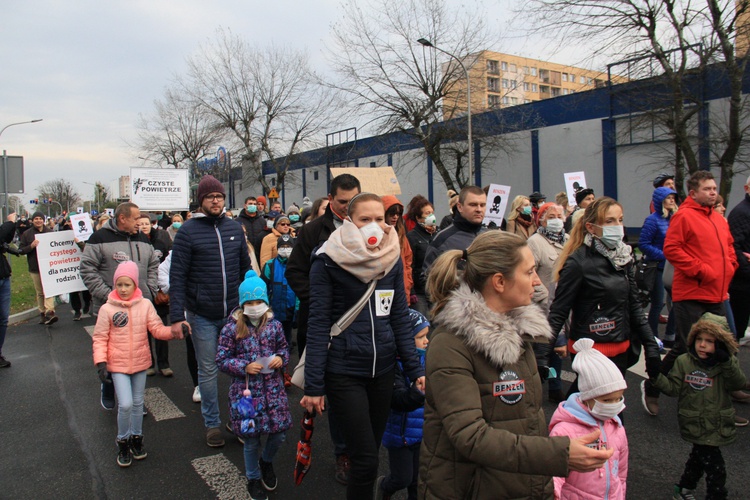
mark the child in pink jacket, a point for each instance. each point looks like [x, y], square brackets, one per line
[121, 348]
[596, 406]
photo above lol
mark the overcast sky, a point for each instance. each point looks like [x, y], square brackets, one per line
[88, 68]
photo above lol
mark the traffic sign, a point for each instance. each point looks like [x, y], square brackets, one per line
[273, 194]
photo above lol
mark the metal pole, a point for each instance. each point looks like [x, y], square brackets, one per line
[5, 177]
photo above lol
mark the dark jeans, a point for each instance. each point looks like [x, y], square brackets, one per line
[287, 325]
[686, 313]
[75, 300]
[708, 459]
[161, 360]
[361, 407]
[4, 308]
[404, 465]
[191, 361]
[657, 304]
[740, 302]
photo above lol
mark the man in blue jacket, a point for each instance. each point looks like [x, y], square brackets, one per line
[209, 259]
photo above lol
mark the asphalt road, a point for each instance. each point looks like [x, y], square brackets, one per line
[56, 441]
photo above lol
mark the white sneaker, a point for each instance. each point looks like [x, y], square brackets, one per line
[745, 340]
[197, 395]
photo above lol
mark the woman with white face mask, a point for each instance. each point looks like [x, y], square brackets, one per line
[546, 245]
[355, 370]
[596, 287]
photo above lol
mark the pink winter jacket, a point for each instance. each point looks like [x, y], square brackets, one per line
[573, 419]
[121, 333]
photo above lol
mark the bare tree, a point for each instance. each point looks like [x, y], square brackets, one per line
[680, 37]
[178, 132]
[403, 85]
[60, 191]
[267, 99]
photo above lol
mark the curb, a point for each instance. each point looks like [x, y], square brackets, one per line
[23, 316]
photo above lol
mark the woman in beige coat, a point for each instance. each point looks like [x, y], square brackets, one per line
[485, 434]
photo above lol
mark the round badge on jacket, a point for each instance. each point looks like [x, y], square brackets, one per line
[510, 388]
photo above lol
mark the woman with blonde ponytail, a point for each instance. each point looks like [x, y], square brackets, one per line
[485, 434]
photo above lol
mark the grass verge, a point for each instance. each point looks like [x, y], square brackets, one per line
[22, 293]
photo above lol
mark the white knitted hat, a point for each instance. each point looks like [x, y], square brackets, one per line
[597, 374]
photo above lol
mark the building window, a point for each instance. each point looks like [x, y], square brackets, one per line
[534, 87]
[504, 66]
[506, 84]
[506, 100]
[514, 100]
[513, 84]
[565, 77]
[526, 86]
[526, 101]
[493, 101]
[533, 71]
[555, 91]
[315, 175]
[565, 91]
[513, 68]
[493, 84]
[544, 89]
[589, 81]
[526, 70]
[582, 79]
[493, 67]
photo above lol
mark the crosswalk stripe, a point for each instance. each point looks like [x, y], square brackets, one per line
[222, 476]
[159, 405]
[89, 330]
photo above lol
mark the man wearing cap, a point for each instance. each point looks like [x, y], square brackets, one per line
[255, 225]
[584, 198]
[27, 247]
[537, 199]
[663, 180]
[209, 259]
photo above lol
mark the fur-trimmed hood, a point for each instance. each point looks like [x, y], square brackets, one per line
[715, 328]
[498, 336]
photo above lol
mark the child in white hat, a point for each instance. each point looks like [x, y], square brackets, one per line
[595, 407]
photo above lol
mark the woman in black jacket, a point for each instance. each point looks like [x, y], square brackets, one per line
[596, 283]
[419, 238]
[357, 371]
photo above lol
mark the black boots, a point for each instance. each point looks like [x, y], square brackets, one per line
[124, 458]
[136, 447]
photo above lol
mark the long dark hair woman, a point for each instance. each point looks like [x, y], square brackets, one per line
[357, 372]
[595, 282]
[485, 433]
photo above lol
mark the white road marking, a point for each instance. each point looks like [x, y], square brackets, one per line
[159, 405]
[639, 369]
[89, 330]
[222, 476]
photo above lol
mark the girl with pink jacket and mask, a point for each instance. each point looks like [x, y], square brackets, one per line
[121, 348]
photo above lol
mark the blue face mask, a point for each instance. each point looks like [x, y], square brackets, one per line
[526, 210]
[251, 209]
[177, 225]
[294, 218]
[421, 352]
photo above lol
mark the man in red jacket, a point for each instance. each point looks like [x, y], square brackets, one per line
[701, 249]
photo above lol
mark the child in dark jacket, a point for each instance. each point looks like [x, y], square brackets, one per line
[253, 350]
[703, 379]
[403, 431]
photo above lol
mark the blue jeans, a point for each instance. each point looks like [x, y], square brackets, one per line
[657, 304]
[252, 448]
[4, 309]
[129, 388]
[205, 341]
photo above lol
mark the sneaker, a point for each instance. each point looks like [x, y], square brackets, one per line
[214, 439]
[256, 490]
[380, 494]
[87, 308]
[682, 494]
[150, 372]
[745, 340]
[166, 372]
[267, 475]
[51, 318]
[231, 431]
[197, 395]
[124, 458]
[77, 316]
[42, 319]
[108, 396]
[740, 421]
[136, 447]
[650, 403]
[4, 363]
[740, 397]
[342, 469]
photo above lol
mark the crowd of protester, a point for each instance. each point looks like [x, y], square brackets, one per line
[361, 284]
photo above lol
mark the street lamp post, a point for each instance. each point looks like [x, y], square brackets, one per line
[5, 162]
[427, 43]
[96, 195]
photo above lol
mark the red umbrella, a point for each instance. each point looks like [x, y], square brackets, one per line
[304, 448]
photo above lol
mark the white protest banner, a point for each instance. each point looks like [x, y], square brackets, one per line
[497, 201]
[574, 182]
[59, 263]
[378, 180]
[82, 228]
[160, 188]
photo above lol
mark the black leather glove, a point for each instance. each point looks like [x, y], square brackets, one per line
[11, 249]
[653, 367]
[101, 368]
[721, 354]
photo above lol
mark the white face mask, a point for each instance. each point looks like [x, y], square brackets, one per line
[430, 220]
[605, 411]
[555, 225]
[285, 252]
[372, 234]
[255, 312]
[269, 224]
[612, 235]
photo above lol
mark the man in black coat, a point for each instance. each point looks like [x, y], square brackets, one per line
[254, 223]
[310, 236]
[7, 231]
[739, 288]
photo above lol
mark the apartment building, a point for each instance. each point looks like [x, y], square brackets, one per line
[501, 80]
